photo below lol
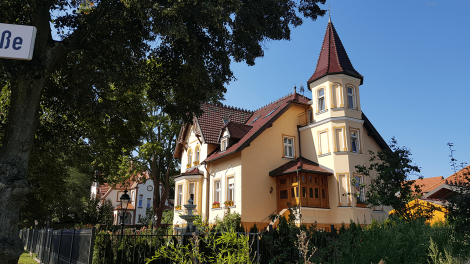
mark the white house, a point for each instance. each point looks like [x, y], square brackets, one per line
[140, 191]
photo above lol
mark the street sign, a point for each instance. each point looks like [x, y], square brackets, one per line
[16, 41]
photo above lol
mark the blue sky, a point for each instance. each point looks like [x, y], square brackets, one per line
[415, 59]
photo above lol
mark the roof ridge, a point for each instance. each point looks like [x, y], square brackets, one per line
[279, 100]
[229, 107]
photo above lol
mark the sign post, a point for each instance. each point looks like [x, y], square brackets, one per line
[17, 41]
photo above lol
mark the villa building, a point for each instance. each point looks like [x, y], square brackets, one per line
[296, 151]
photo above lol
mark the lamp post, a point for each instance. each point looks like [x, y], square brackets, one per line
[124, 199]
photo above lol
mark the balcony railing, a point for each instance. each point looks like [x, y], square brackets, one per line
[305, 118]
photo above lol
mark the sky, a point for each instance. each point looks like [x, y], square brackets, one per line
[415, 59]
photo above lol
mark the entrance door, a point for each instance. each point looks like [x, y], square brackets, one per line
[283, 195]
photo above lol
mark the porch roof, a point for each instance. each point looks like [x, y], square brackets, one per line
[303, 165]
[189, 172]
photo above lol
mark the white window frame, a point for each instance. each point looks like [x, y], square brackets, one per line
[194, 191]
[359, 181]
[141, 198]
[149, 203]
[217, 191]
[180, 194]
[231, 190]
[351, 95]
[357, 140]
[287, 146]
[198, 154]
[321, 100]
[190, 157]
[223, 144]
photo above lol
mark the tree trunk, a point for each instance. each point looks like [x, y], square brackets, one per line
[27, 80]
[14, 158]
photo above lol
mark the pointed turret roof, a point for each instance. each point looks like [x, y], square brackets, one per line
[333, 57]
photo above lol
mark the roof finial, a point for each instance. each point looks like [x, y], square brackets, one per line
[329, 15]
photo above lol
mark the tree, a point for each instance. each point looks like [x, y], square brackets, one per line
[99, 52]
[390, 171]
[155, 155]
[459, 202]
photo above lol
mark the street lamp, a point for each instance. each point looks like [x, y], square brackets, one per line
[124, 199]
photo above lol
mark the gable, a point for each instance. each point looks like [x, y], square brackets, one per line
[260, 121]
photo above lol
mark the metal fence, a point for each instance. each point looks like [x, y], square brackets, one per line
[60, 246]
[136, 246]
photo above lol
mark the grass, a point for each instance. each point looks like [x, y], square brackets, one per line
[25, 258]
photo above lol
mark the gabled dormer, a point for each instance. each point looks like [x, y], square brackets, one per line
[335, 82]
[231, 133]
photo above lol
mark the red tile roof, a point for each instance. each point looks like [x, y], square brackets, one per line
[260, 120]
[333, 58]
[190, 171]
[193, 171]
[303, 164]
[459, 178]
[211, 120]
[427, 184]
[236, 131]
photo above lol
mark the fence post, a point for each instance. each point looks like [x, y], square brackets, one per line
[58, 249]
[257, 246]
[71, 246]
[92, 245]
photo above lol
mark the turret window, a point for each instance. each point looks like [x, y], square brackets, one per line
[351, 98]
[321, 100]
[355, 141]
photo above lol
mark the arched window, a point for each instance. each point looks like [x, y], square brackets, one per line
[351, 97]
[190, 157]
[197, 154]
[321, 99]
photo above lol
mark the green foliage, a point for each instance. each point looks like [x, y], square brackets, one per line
[207, 247]
[281, 244]
[230, 221]
[390, 171]
[96, 212]
[459, 203]
[393, 242]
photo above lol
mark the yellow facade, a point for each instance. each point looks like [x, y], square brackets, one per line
[329, 135]
[438, 214]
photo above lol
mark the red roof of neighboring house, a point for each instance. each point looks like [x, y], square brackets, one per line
[460, 178]
[236, 131]
[333, 58]
[260, 120]
[301, 163]
[427, 184]
[211, 120]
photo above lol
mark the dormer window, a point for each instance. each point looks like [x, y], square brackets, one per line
[225, 121]
[223, 145]
[321, 99]
[351, 98]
